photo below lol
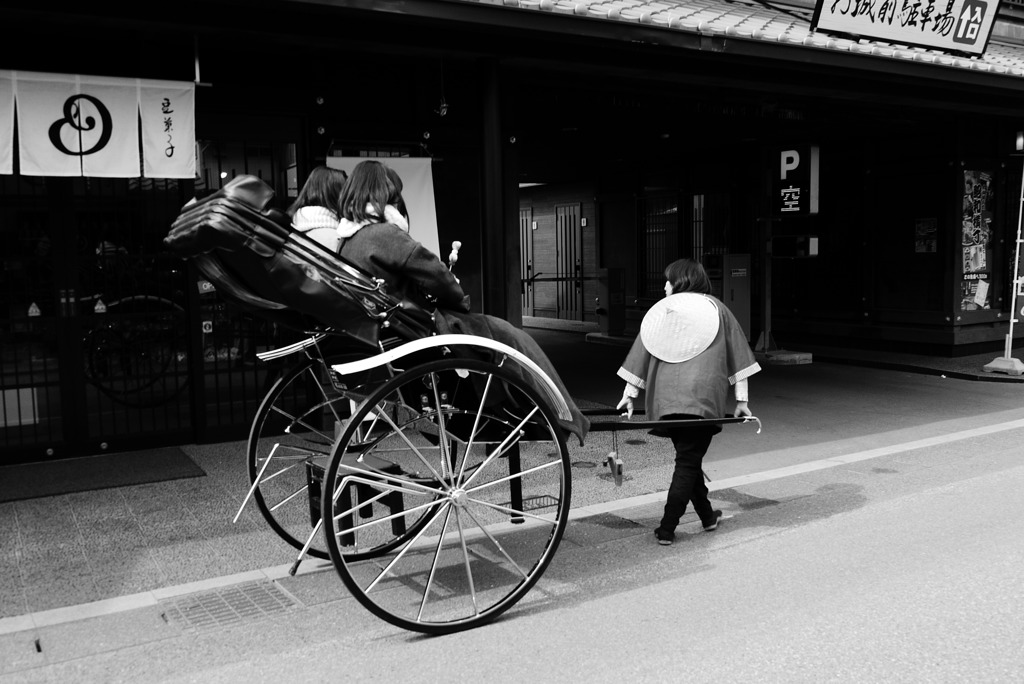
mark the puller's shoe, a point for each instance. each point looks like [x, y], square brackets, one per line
[713, 525]
[664, 538]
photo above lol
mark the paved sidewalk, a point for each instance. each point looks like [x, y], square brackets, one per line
[67, 557]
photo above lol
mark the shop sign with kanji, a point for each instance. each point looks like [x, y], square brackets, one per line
[962, 26]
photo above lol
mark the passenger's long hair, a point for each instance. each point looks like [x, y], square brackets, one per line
[372, 184]
[687, 275]
[322, 189]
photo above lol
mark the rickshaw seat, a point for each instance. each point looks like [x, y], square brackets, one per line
[248, 250]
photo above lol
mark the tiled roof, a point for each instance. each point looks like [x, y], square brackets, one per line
[757, 21]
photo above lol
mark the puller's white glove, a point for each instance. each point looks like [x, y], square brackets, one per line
[628, 395]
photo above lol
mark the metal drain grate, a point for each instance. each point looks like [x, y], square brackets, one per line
[533, 503]
[228, 605]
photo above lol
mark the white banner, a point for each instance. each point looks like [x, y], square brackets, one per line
[168, 129]
[89, 126]
[6, 122]
[113, 154]
[417, 191]
[42, 101]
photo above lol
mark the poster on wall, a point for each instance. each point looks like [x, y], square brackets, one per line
[976, 241]
[925, 235]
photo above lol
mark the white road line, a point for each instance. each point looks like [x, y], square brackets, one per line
[120, 604]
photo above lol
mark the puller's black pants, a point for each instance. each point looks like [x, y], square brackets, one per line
[688, 478]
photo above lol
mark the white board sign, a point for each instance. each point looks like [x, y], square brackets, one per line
[948, 25]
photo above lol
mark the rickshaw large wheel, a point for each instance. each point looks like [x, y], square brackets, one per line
[289, 444]
[481, 453]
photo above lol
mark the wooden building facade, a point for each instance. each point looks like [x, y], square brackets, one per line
[577, 148]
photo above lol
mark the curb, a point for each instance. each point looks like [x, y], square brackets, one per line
[923, 370]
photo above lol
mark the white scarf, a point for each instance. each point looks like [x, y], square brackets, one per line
[347, 228]
[319, 224]
[308, 218]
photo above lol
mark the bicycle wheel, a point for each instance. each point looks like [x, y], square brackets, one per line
[136, 355]
[483, 454]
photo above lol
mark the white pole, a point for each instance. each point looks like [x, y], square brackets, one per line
[1006, 363]
[1016, 274]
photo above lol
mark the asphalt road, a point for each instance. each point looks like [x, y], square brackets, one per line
[896, 563]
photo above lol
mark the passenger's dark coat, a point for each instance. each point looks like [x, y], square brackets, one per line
[412, 272]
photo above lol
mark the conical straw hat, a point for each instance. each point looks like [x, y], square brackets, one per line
[680, 326]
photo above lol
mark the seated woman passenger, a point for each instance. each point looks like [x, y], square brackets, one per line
[374, 236]
[315, 211]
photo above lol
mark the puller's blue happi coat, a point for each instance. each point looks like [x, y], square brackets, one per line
[698, 386]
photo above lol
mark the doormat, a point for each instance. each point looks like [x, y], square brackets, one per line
[51, 478]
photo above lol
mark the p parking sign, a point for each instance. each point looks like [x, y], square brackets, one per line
[795, 181]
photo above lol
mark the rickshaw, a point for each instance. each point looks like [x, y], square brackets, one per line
[422, 466]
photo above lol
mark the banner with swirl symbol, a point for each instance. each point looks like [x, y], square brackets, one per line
[71, 125]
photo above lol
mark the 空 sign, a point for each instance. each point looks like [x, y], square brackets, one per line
[947, 25]
[795, 181]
